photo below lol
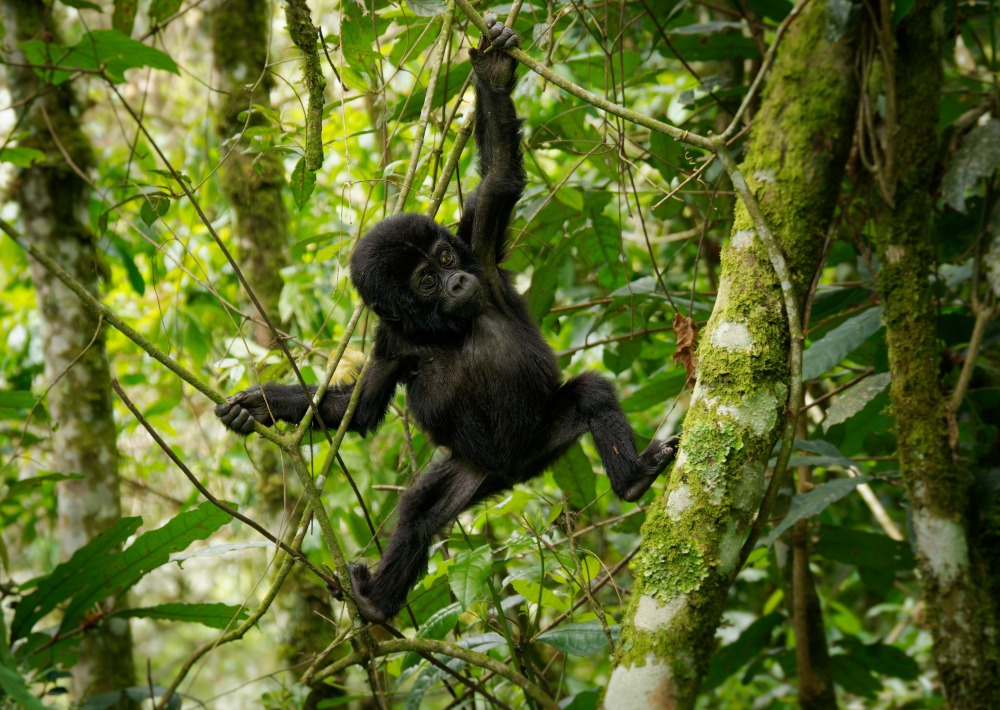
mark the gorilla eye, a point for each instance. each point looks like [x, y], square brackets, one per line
[428, 279]
[446, 258]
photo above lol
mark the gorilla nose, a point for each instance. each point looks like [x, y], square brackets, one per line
[458, 283]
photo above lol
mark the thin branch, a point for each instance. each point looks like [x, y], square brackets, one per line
[581, 93]
[448, 649]
[229, 510]
[425, 110]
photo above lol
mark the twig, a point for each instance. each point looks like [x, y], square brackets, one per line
[229, 510]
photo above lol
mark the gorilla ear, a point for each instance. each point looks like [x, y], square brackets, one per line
[384, 313]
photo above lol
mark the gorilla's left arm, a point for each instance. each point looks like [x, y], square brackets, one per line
[498, 139]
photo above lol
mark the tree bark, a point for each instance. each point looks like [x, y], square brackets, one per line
[693, 535]
[52, 197]
[253, 181]
[960, 611]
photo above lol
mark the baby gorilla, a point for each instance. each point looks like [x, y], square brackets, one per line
[481, 380]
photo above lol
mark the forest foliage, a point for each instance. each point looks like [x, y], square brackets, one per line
[617, 237]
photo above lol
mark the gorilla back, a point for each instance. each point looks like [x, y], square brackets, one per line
[480, 378]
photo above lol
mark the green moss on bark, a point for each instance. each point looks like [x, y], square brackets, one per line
[253, 181]
[693, 534]
[961, 612]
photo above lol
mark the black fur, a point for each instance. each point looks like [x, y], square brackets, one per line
[481, 380]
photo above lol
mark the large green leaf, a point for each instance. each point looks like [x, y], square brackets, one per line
[13, 686]
[149, 551]
[216, 616]
[806, 505]
[855, 399]
[435, 627]
[833, 347]
[107, 50]
[864, 549]
[467, 576]
[68, 578]
[581, 639]
[978, 158]
[754, 640]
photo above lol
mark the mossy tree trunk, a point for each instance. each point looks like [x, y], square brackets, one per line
[254, 185]
[960, 612]
[253, 182]
[694, 534]
[52, 198]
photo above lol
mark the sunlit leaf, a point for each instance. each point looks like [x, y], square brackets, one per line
[467, 576]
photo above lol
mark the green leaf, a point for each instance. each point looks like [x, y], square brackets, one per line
[589, 699]
[154, 207]
[882, 658]
[833, 347]
[712, 41]
[827, 455]
[575, 476]
[14, 687]
[109, 50]
[149, 551]
[864, 549]
[978, 157]
[17, 399]
[127, 259]
[116, 52]
[437, 626]
[806, 505]
[123, 18]
[444, 92]
[357, 35]
[429, 675]
[216, 616]
[755, 640]
[66, 579]
[22, 485]
[302, 183]
[855, 399]
[467, 576]
[901, 9]
[427, 8]
[21, 157]
[581, 639]
[161, 10]
[853, 676]
[570, 197]
[536, 593]
[82, 5]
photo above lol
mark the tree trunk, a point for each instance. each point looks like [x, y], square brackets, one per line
[52, 198]
[693, 535]
[960, 612]
[253, 182]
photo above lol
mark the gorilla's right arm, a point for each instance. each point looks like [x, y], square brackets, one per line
[289, 403]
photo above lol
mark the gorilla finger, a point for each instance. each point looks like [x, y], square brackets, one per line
[504, 39]
[242, 422]
[512, 42]
[221, 410]
[230, 414]
[490, 19]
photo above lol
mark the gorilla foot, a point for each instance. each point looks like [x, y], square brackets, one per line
[654, 460]
[360, 581]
